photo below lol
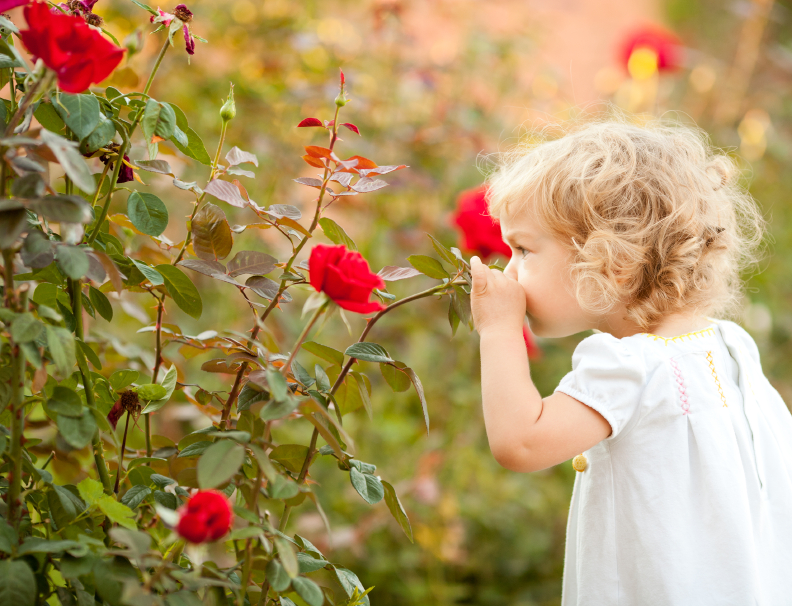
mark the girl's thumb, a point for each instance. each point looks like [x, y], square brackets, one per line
[479, 273]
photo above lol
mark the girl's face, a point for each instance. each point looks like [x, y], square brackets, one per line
[540, 264]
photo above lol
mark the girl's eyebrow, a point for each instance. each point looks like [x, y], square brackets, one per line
[513, 235]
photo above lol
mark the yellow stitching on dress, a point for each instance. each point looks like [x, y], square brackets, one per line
[690, 335]
[715, 376]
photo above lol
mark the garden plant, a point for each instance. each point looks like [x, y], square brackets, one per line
[173, 522]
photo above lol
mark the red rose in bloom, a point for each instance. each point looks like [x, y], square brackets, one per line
[664, 43]
[479, 231]
[78, 54]
[345, 277]
[530, 344]
[206, 517]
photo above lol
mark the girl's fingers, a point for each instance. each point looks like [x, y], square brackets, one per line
[479, 272]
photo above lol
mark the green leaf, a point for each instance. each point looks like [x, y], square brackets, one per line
[336, 233]
[101, 135]
[397, 510]
[65, 401]
[183, 291]
[367, 486]
[80, 112]
[277, 577]
[77, 431]
[17, 583]
[101, 303]
[277, 384]
[72, 261]
[183, 597]
[195, 148]
[251, 262]
[420, 391]
[310, 564]
[90, 491]
[151, 391]
[291, 456]
[168, 381]
[212, 239]
[117, 512]
[398, 380]
[219, 463]
[444, 252]
[428, 266]
[90, 354]
[39, 545]
[151, 274]
[26, 328]
[308, 591]
[68, 209]
[350, 582]
[249, 396]
[147, 213]
[159, 120]
[123, 378]
[277, 410]
[49, 118]
[324, 352]
[371, 352]
[166, 499]
[71, 160]
[62, 349]
[146, 461]
[135, 496]
[195, 450]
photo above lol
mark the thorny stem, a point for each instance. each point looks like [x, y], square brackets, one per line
[101, 465]
[248, 566]
[26, 101]
[285, 369]
[121, 455]
[17, 419]
[157, 365]
[312, 449]
[242, 369]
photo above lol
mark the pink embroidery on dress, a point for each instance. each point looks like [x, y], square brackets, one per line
[681, 386]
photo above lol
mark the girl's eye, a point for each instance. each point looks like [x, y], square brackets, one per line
[521, 250]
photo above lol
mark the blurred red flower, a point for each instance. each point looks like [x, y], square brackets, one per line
[664, 43]
[207, 516]
[345, 277]
[77, 53]
[534, 353]
[6, 5]
[479, 232]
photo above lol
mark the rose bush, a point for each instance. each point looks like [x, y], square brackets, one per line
[96, 505]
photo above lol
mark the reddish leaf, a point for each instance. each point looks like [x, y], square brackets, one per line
[317, 183]
[351, 127]
[241, 189]
[320, 152]
[310, 122]
[317, 162]
[343, 178]
[226, 192]
[363, 162]
[203, 266]
[391, 273]
[367, 184]
[237, 156]
[212, 238]
[381, 170]
[343, 80]
[284, 210]
[329, 123]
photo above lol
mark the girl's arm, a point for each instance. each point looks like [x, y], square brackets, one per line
[525, 432]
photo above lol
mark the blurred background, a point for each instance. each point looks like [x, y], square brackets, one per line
[437, 85]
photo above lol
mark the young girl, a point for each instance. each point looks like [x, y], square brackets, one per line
[684, 490]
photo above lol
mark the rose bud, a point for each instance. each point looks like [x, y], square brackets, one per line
[207, 516]
[228, 111]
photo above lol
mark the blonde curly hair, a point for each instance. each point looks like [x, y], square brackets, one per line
[653, 215]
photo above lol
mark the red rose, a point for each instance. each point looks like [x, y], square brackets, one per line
[664, 43]
[345, 277]
[479, 231]
[77, 53]
[206, 517]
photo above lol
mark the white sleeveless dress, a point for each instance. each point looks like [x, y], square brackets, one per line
[689, 501]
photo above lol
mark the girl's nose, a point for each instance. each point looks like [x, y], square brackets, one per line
[511, 269]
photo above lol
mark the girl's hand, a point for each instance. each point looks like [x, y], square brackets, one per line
[497, 301]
